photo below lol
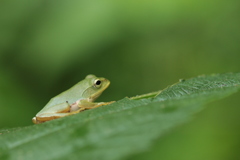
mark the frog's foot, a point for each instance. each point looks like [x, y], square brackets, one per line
[34, 120]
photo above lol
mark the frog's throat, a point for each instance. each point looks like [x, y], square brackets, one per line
[93, 98]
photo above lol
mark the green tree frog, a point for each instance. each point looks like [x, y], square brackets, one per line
[76, 99]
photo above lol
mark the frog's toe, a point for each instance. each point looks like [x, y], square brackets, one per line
[34, 120]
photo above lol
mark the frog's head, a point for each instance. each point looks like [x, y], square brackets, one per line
[96, 86]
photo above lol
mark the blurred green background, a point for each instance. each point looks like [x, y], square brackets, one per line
[140, 46]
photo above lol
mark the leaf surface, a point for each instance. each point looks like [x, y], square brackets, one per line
[118, 130]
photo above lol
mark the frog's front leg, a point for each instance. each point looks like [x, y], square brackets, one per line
[90, 105]
[54, 112]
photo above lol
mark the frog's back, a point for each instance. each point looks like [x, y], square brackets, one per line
[71, 95]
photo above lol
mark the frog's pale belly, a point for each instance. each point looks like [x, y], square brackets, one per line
[74, 106]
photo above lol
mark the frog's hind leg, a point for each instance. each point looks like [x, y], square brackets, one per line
[47, 117]
[50, 116]
[54, 112]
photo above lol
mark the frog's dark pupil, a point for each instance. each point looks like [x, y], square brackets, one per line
[98, 82]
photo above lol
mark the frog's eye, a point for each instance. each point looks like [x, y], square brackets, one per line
[97, 83]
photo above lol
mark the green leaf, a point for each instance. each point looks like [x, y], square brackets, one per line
[202, 86]
[118, 130]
